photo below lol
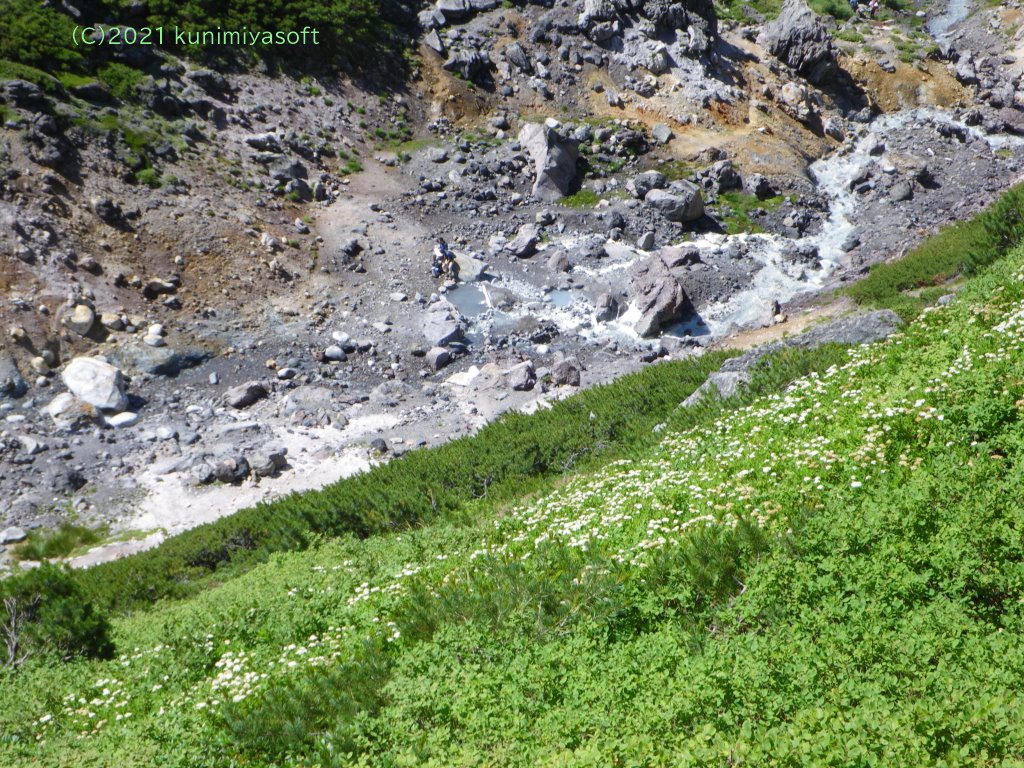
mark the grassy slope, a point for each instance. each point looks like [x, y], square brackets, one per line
[832, 575]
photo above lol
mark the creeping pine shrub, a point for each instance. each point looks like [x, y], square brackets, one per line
[35, 35]
[44, 613]
[963, 248]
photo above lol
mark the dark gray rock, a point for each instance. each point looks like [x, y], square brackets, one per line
[244, 395]
[268, 461]
[468, 63]
[22, 93]
[658, 296]
[438, 357]
[644, 182]
[684, 203]
[517, 57]
[522, 377]
[554, 160]
[442, 324]
[524, 244]
[566, 372]
[11, 382]
[135, 357]
[799, 38]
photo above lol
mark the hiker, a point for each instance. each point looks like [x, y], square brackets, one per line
[444, 260]
[440, 256]
[854, 4]
[872, 7]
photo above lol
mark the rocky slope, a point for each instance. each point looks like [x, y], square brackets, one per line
[218, 289]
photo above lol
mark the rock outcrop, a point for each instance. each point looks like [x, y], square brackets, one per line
[554, 160]
[657, 295]
[799, 38]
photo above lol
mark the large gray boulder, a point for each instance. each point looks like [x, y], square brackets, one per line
[96, 382]
[524, 244]
[722, 384]
[644, 182]
[455, 10]
[442, 324]
[658, 296]
[799, 38]
[683, 203]
[554, 160]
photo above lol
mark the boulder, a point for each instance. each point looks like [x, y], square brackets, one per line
[554, 160]
[22, 93]
[722, 384]
[799, 38]
[517, 57]
[438, 357]
[661, 133]
[656, 60]
[455, 10]
[11, 382]
[723, 177]
[244, 395]
[566, 372]
[442, 324]
[559, 262]
[267, 142]
[524, 244]
[123, 419]
[644, 182]
[65, 409]
[433, 41]
[469, 268]
[685, 203]
[231, 469]
[796, 101]
[607, 308]
[96, 382]
[657, 295]
[521, 377]
[136, 357]
[268, 461]
[335, 354]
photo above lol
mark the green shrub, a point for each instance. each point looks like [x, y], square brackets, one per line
[46, 545]
[37, 35]
[45, 613]
[121, 79]
[963, 247]
[150, 177]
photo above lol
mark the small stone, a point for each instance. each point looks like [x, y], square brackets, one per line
[123, 419]
[244, 395]
[335, 354]
[81, 319]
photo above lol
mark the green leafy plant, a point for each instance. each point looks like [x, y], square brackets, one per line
[44, 613]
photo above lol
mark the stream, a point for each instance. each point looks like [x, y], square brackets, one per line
[773, 276]
[956, 11]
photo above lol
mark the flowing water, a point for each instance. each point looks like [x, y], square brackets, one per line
[956, 11]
